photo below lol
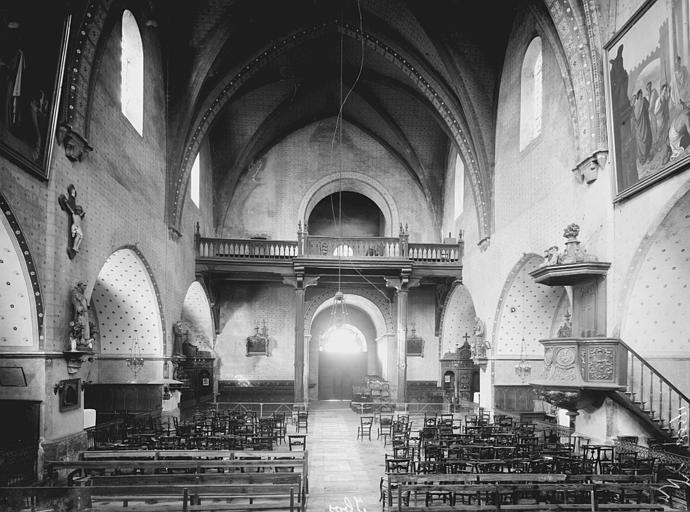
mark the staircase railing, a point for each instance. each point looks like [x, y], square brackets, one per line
[659, 398]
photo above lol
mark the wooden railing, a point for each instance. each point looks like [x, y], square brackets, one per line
[245, 249]
[435, 253]
[312, 246]
[354, 247]
[655, 395]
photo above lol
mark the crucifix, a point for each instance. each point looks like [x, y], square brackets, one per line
[466, 337]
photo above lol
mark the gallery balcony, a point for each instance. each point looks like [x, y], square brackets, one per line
[323, 255]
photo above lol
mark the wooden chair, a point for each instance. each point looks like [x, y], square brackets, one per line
[385, 428]
[297, 442]
[302, 421]
[364, 429]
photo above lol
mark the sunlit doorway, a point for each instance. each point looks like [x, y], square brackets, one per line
[342, 361]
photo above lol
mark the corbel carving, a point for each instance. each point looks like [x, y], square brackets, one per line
[587, 171]
[75, 146]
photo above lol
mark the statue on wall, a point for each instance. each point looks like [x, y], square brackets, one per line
[480, 344]
[479, 329]
[80, 329]
[76, 214]
[180, 336]
[189, 349]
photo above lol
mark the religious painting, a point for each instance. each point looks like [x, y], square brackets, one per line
[648, 94]
[257, 343]
[415, 344]
[70, 395]
[33, 44]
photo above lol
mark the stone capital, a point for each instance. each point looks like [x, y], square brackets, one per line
[301, 282]
[402, 284]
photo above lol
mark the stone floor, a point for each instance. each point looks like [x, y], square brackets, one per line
[344, 473]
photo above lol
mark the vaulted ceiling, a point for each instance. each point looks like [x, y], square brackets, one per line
[417, 76]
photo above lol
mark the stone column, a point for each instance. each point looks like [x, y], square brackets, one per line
[300, 283]
[402, 287]
[371, 358]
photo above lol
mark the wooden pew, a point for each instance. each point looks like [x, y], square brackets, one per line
[129, 455]
[257, 497]
[221, 496]
[195, 479]
[490, 497]
[392, 481]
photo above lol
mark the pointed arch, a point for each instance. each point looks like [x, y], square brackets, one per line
[659, 269]
[526, 310]
[196, 310]
[21, 300]
[127, 305]
[458, 319]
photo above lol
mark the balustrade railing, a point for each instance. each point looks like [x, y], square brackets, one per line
[654, 394]
[354, 247]
[435, 253]
[329, 247]
[244, 249]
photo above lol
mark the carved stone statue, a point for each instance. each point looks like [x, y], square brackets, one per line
[566, 329]
[551, 256]
[180, 335]
[480, 344]
[80, 329]
[479, 329]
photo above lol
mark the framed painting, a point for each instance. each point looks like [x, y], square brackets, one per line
[648, 96]
[257, 343]
[415, 344]
[69, 394]
[33, 47]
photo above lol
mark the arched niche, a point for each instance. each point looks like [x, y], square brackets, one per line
[126, 304]
[21, 304]
[352, 182]
[525, 309]
[656, 293]
[196, 312]
[458, 319]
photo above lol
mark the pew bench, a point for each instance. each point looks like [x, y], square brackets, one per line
[226, 496]
[190, 480]
[541, 496]
[216, 498]
[130, 455]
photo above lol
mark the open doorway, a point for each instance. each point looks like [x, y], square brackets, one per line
[342, 362]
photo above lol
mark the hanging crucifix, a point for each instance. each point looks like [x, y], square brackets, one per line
[76, 214]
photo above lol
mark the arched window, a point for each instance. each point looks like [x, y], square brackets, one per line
[132, 61]
[531, 94]
[194, 181]
[459, 194]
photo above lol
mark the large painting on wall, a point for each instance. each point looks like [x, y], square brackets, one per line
[33, 40]
[648, 93]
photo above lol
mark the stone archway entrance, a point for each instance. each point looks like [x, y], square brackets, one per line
[344, 350]
[342, 362]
